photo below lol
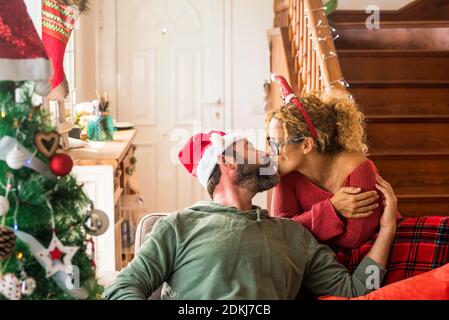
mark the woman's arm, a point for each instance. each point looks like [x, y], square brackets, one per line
[321, 220]
[358, 231]
[348, 219]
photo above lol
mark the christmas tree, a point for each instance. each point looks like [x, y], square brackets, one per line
[45, 217]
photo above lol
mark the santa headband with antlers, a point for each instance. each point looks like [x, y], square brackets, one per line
[288, 96]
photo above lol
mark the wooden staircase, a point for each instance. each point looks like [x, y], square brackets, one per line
[400, 76]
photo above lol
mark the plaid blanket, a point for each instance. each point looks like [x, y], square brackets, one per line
[421, 244]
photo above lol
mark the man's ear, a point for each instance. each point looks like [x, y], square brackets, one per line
[308, 145]
[222, 161]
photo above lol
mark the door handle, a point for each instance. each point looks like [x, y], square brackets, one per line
[217, 102]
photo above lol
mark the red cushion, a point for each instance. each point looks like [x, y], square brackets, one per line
[432, 285]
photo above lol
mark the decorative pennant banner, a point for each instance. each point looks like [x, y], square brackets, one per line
[61, 277]
[7, 144]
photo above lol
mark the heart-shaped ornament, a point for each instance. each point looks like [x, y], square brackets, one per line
[47, 142]
[10, 287]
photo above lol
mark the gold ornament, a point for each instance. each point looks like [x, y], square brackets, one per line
[47, 143]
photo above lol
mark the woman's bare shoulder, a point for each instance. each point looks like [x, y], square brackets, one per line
[350, 161]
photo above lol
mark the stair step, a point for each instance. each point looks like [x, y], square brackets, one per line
[394, 154]
[415, 175]
[398, 101]
[413, 205]
[423, 207]
[408, 118]
[423, 197]
[394, 65]
[421, 36]
[413, 53]
[404, 137]
[420, 193]
[440, 84]
[394, 25]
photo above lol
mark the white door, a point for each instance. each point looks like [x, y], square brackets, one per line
[170, 85]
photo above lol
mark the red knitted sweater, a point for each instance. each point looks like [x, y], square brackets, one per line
[298, 198]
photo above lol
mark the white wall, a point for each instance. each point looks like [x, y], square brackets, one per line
[86, 65]
[362, 4]
[251, 19]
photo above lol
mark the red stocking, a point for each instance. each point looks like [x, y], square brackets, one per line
[58, 21]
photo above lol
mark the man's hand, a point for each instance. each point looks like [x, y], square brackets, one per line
[381, 247]
[388, 219]
[352, 204]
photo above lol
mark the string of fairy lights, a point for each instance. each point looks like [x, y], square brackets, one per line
[320, 26]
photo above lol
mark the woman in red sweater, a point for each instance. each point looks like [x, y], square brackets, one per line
[329, 185]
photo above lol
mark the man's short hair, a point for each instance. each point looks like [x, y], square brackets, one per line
[214, 180]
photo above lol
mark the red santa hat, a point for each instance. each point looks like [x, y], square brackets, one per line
[200, 154]
[22, 55]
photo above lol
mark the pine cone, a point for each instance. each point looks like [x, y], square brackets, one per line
[7, 243]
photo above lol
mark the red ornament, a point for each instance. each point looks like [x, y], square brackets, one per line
[61, 164]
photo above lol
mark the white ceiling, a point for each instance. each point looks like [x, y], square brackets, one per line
[363, 4]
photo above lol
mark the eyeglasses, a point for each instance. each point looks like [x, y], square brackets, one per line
[275, 146]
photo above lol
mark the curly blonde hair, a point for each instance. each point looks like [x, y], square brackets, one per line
[337, 119]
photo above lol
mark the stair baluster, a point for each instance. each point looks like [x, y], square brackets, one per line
[312, 47]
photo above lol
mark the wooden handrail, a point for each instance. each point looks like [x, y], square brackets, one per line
[312, 47]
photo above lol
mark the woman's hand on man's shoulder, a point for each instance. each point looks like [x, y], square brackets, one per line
[350, 203]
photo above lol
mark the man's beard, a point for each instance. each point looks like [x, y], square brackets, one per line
[257, 177]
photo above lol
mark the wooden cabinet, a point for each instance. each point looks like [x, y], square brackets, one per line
[129, 209]
[108, 174]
